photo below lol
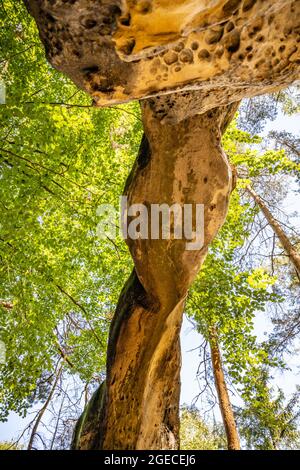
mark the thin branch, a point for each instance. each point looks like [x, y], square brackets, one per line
[43, 409]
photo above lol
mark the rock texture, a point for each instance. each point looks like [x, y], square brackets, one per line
[221, 50]
[190, 62]
[180, 163]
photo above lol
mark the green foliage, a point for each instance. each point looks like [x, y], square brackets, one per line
[255, 113]
[271, 161]
[290, 99]
[57, 164]
[225, 298]
[228, 300]
[268, 421]
[60, 158]
[243, 152]
[9, 446]
[196, 434]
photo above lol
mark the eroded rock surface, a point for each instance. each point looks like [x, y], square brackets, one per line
[183, 164]
[221, 50]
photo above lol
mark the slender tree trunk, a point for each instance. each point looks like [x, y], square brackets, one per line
[43, 409]
[233, 440]
[58, 419]
[138, 406]
[290, 250]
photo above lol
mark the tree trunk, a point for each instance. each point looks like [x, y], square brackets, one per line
[283, 238]
[43, 409]
[138, 407]
[233, 440]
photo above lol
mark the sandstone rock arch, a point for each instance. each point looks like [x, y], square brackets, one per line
[189, 63]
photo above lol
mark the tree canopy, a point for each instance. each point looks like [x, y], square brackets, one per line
[60, 158]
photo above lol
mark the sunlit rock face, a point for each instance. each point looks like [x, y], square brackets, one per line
[119, 50]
